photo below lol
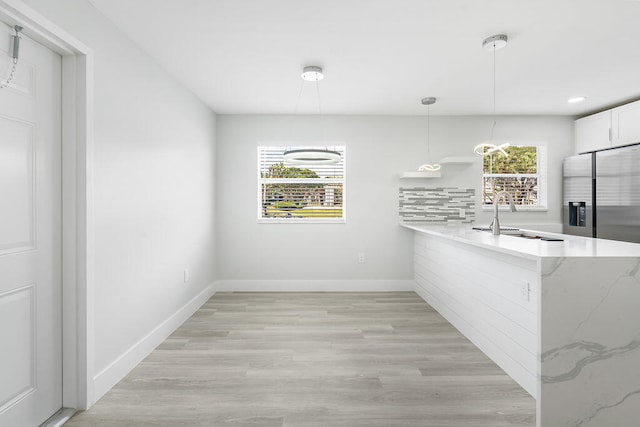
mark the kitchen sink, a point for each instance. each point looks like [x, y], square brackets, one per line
[532, 236]
[515, 232]
[502, 229]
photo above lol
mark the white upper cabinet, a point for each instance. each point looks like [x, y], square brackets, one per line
[625, 122]
[593, 132]
[612, 128]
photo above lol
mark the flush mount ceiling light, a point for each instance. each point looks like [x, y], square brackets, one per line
[493, 43]
[576, 99]
[312, 73]
[311, 156]
[428, 167]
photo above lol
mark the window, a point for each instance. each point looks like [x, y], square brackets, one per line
[292, 193]
[523, 174]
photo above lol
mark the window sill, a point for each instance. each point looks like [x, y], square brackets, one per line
[301, 221]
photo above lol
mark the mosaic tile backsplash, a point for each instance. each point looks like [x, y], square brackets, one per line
[440, 204]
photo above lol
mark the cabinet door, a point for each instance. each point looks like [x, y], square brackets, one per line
[593, 132]
[626, 124]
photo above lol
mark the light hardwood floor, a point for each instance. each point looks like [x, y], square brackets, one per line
[314, 359]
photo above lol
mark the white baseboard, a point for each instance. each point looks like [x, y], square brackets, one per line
[119, 368]
[314, 285]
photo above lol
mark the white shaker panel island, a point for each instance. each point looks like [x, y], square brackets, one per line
[562, 318]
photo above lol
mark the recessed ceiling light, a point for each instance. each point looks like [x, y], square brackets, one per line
[312, 73]
[576, 99]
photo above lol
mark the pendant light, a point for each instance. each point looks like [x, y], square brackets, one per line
[428, 167]
[315, 156]
[311, 156]
[493, 43]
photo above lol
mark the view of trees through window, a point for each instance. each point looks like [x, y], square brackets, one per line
[516, 173]
[299, 191]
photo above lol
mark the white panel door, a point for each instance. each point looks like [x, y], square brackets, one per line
[30, 235]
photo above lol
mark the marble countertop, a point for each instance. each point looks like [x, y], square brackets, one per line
[571, 246]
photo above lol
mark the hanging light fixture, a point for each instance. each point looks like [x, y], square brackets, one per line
[312, 73]
[487, 149]
[312, 156]
[493, 43]
[428, 167]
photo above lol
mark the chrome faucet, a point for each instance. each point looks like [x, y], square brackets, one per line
[495, 224]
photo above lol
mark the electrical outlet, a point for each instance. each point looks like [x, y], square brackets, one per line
[524, 291]
[361, 258]
[186, 275]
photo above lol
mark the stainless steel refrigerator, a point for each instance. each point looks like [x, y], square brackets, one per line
[601, 195]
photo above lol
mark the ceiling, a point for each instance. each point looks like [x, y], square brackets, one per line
[383, 56]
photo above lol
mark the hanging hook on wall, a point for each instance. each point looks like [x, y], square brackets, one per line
[15, 54]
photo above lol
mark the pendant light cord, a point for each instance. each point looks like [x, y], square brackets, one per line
[428, 133]
[295, 110]
[318, 95]
[493, 126]
[494, 81]
[297, 107]
[322, 118]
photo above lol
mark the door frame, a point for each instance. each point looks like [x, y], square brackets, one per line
[77, 196]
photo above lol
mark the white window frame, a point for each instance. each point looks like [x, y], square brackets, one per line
[542, 176]
[261, 180]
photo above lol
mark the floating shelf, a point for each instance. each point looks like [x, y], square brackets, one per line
[404, 175]
[459, 160]
[450, 160]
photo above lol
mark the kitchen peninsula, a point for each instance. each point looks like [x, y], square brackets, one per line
[562, 318]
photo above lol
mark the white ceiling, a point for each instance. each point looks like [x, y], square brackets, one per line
[383, 56]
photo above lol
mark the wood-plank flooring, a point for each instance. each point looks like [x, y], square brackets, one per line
[314, 359]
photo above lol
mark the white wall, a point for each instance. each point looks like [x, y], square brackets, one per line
[458, 135]
[153, 191]
[378, 149]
